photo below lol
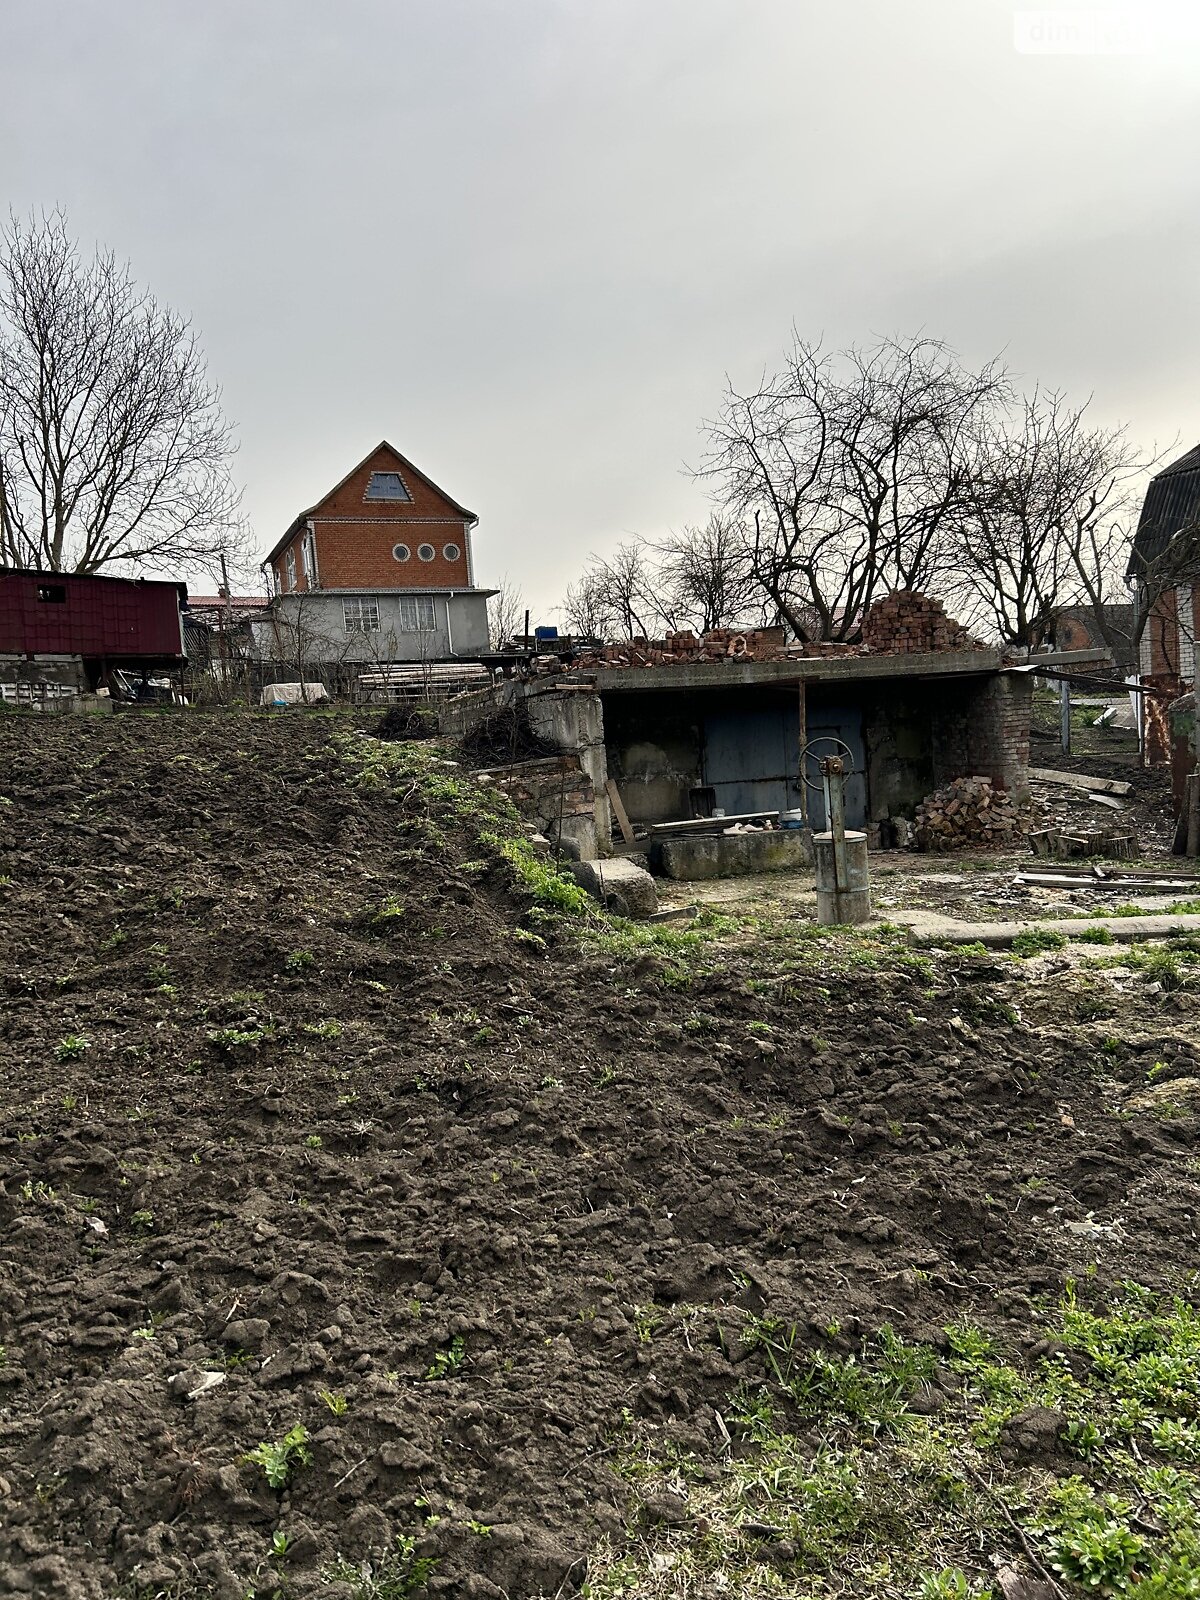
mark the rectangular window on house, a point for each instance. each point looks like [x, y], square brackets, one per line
[290, 566]
[386, 486]
[310, 559]
[54, 594]
[416, 613]
[361, 616]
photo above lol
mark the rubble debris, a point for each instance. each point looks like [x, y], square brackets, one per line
[1112, 880]
[967, 811]
[761, 819]
[902, 623]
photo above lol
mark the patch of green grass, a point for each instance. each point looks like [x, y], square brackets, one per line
[298, 960]
[395, 1575]
[327, 1028]
[231, 1039]
[71, 1046]
[842, 1479]
[1035, 941]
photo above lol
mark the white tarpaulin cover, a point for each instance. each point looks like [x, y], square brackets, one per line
[293, 694]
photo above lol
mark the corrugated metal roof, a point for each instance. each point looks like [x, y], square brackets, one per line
[1172, 502]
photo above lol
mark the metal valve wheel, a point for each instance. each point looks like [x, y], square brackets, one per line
[810, 753]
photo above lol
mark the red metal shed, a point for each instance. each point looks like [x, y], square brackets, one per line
[115, 620]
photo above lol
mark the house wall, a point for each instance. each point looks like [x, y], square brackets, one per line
[354, 537]
[313, 626]
[66, 613]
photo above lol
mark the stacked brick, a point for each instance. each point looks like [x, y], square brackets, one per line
[721, 644]
[969, 811]
[904, 623]
[908, 623]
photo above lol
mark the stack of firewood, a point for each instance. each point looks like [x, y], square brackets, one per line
[968, 811]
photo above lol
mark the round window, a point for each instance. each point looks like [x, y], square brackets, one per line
[401, 552]
[451, 552]
[426, 552]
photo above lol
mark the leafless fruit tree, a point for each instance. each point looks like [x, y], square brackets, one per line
[506, 613]
[707, 575]
[851, 469]
[114, 451]
[1043, 521]
[618, 597]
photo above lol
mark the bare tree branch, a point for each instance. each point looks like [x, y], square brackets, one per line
[114, 451]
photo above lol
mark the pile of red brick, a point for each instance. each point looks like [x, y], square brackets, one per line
[903, 623]
[908, 623]
[966, 812]
[721, 644]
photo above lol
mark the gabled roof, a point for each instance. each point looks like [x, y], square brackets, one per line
[405, 463]
[1172, 502]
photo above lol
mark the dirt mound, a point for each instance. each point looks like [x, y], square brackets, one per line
[314, 1121]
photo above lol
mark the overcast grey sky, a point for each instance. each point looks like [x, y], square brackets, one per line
[526, 239]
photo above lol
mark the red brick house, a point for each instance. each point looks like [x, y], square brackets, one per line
[1165, 559]
[380, 569]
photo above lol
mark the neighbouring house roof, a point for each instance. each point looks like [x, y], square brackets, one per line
[1172, 502]
[235, 602]
[406, 465]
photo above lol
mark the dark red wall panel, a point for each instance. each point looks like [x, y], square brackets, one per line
[116, 618]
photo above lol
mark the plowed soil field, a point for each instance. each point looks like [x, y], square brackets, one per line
[373, 1221]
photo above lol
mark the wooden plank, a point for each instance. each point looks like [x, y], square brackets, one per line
[614, 796]
[1080, 780]
[717, 824]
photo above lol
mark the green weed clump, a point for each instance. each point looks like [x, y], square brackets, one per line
[882, 1471]
[280, 1458]
[1035, 941]
[395, 1575]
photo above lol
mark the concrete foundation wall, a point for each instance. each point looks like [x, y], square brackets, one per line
[574, 722]
[733, 855]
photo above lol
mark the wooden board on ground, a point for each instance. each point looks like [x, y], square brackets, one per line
[618, 805]
[1081, 780]
[713, 824]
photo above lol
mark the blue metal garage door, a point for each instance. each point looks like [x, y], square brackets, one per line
[752, 760]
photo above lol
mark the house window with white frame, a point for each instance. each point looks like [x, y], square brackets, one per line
[361, 615]
[416, 613]
[309, 548]
[290, 569]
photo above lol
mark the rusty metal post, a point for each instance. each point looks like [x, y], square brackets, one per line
[833, 772]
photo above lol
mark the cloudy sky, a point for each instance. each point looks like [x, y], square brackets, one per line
[526, 239]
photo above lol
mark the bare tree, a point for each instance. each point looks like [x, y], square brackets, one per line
[1039, 525]
[506, 613]
[618, 596]
[113, 447]
[585, 609]
[851, 470]
[708, 575]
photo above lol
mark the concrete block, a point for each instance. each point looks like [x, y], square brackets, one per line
[734, 855]
[625, 888]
